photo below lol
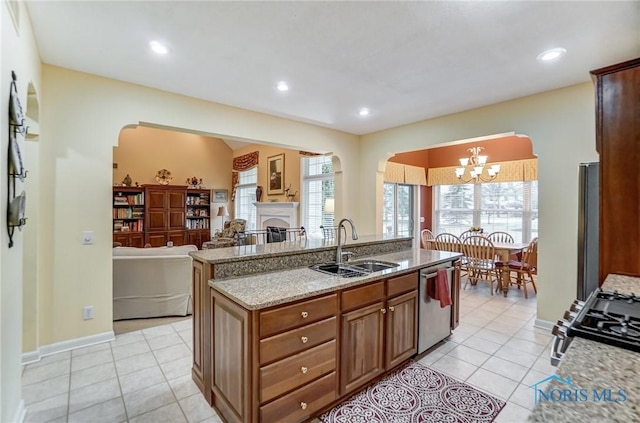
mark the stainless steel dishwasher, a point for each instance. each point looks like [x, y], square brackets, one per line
[434, 322]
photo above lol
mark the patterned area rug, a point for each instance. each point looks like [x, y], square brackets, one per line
[416, 393]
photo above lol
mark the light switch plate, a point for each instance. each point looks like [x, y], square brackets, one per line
[87, 237]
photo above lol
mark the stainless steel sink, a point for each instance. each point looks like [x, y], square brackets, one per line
[373, 265]
[343, 270]
[353, 268]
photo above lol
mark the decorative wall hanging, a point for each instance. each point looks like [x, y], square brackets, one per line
[16, 204]
[163, 177]
[275, 167]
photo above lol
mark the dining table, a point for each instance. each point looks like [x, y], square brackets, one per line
[504, 250]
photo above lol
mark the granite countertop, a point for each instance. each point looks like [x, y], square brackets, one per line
[594, 365]
[247, 252]
[268, 289]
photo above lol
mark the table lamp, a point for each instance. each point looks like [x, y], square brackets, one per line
[222, 211]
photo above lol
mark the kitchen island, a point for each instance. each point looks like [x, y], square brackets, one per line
[596, 366]
[286, 343]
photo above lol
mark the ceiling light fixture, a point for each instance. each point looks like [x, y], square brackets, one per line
[282, 86]
[364, 112]
[475, 166]
[158, 47]
[552, 54]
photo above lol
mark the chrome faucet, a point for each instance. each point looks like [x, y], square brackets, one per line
[354, 235]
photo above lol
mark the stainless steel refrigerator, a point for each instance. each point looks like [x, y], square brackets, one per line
[588, 229]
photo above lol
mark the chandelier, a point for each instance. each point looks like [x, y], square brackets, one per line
[475, 167]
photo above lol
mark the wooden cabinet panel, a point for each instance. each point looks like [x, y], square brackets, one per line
[156, 239]
[401, 328]
[178, 237]
[290, 373]
[193, 238]
[402, 284]
[618, 142]
[362, 346]
[288, 317]
[156, 198]
[296, 340]
[176, 220]
[231, 373]
[302, 403]
[361, 296]
[156, 220]
[136, 240]
[177, 199]
[121, 238]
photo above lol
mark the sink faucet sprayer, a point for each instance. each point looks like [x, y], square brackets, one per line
[354, 235]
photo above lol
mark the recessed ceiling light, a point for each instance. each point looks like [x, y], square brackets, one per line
[158, 47]
[282, 86]
[364, 112]
[554, 53]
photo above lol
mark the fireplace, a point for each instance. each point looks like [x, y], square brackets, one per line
[280, 215]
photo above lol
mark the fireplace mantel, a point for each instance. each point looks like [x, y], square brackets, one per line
[283, 214]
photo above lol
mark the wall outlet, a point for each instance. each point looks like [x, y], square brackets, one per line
[87, 312]
[87, 237]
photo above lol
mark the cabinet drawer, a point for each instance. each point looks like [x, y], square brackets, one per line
[289, 317]
[362, 296]
[402, 284]
[290, 373]
[299, 405]
[297, 340]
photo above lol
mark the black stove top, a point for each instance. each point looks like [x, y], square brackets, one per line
[609, 317]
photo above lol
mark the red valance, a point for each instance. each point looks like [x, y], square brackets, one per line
[245, 162]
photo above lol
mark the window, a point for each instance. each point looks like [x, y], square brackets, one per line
[246, 196]
[397, 209]
[318, 185]
[504, 206]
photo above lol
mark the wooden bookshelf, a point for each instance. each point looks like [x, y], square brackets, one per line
[128, 216]
[198, 216]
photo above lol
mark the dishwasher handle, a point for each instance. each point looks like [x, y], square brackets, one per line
[433, 275]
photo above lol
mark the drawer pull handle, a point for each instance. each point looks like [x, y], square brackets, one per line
[303, 369]
[303, 405]
[383, 310]
[392, 308]
[304, 339]
[304, 314]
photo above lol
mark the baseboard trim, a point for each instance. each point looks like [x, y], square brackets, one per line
[21, 413]
[30, 357]
[543, 324]
[71, 344]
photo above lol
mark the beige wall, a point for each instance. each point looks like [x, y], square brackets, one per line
[291, 168]
[19, 54]
[561, 125]
[142, 151]
[77, 170]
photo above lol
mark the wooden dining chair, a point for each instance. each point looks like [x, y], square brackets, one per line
[501, 236]
[466, 234]
[427, 239]
[480, 261]
[448, 242]
[521, 271]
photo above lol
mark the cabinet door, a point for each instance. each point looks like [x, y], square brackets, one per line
[121, 238]
[178, 237]
[176, 210]
[401, 328]
[193, 238]
[156, 239]
[156, 199]
[362, 346]
[136, 240]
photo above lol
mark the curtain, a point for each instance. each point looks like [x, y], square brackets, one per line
[511, 171]
[394, 173]
[415, 175]
[240, 164]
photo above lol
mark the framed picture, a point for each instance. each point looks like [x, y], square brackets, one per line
[275, 169]
[220, 196]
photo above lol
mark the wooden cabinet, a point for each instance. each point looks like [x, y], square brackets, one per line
[165, 215]
[198, 216]
[379, 329]
[362, 339]
[618, 142]
[289, 362]
[128, 216]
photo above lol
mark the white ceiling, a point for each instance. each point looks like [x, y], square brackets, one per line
[406, 61]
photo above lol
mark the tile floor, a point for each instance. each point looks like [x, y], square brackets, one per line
[145, 376]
